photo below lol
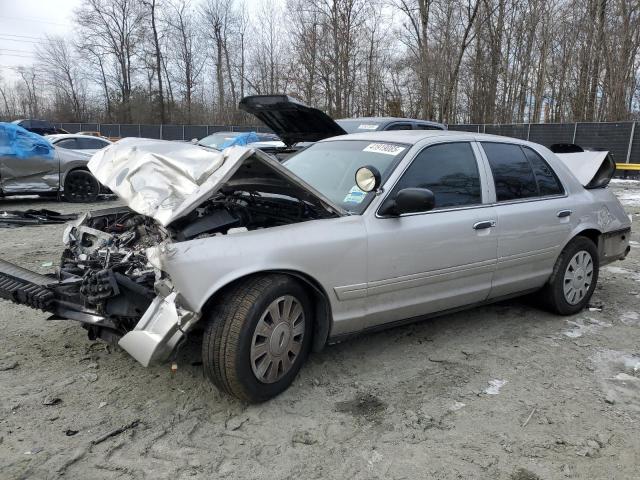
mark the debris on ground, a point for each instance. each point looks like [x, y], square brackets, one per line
[21, 218]
[115, 432]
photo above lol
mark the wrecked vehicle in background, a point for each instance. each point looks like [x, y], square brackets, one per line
[298, 124]
[354, 233]
[29, 164]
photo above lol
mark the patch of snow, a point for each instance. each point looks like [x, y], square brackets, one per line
[622, 271]
[625, 181]
[618, 373]
[584, 326]
[630, 318]
[495, 386]
[457, 406]
[629, 198]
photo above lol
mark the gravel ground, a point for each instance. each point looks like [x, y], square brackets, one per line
[503, 392]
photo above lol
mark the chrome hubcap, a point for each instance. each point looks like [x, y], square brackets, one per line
[578, 277]
[277, 340]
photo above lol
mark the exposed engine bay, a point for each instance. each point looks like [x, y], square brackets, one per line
[106, 249]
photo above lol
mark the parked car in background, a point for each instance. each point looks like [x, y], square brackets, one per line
[30, 164]
[354, 233]
[296, 123]
[220, 140]
[379, 124]
[80, 143]
[41, 127]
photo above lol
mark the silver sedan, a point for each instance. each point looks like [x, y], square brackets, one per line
[355, 233]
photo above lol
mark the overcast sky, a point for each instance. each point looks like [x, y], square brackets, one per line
[23, 23]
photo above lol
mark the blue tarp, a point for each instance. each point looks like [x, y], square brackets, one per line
[241, 140]
[15, 141]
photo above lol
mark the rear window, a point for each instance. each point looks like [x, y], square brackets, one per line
[548, 183]
[359, 125]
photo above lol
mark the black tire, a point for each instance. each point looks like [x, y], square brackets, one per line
[229, 336]
[80, 186]
[553, 293]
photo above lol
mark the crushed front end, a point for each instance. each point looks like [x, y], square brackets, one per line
[105, 282]
[112, 278]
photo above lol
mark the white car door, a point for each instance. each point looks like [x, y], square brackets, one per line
[534, 217]
[421, 263]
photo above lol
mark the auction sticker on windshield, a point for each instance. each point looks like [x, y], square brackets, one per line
[385, 148]
[367, 126]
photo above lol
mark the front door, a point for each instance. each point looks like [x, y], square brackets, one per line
[426, 262]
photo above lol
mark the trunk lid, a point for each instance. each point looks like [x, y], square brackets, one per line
[290, 119]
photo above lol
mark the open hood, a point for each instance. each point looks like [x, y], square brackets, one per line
[167, 180]
[290, 119]
[592, 169]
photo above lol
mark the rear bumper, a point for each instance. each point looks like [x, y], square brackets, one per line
[615, 245]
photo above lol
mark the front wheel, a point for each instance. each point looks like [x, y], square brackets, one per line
[258, 336]
[574, 277]
[81, 186]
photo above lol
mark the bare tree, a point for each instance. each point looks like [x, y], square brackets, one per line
[116, 28]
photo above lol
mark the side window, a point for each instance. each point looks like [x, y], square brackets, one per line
[512, 174]
[548, 182]
[399, 126]
[91, 143]
[449, 170]
[67, 143]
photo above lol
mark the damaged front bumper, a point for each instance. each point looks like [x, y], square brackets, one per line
[160, 330]
[157, 334]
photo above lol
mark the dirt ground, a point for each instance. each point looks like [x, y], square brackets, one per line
[502, 392]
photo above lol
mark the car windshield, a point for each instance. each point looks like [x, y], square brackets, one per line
[330, 168]
[359, 125]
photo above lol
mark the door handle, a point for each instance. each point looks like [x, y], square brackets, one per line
[484, 224]
[563, 213]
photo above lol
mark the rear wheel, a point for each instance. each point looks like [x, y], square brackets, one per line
[574, 277]
[258, 336]
[81, 186]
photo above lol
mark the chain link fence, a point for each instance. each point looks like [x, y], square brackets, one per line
[164, 132]
[622, 139]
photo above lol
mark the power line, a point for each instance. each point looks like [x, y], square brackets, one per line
[34, 19]
[20, 36]
[15, 50]
[15, 55]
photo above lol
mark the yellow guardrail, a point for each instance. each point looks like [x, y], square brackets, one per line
[628, 166]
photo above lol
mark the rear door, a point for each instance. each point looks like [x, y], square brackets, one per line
[533, 217]
[444, 258]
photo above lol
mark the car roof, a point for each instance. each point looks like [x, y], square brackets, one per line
[414, 136]
[59, 136]
[389, 119]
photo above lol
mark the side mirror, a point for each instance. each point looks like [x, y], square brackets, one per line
[368, 178]
[409, 200]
